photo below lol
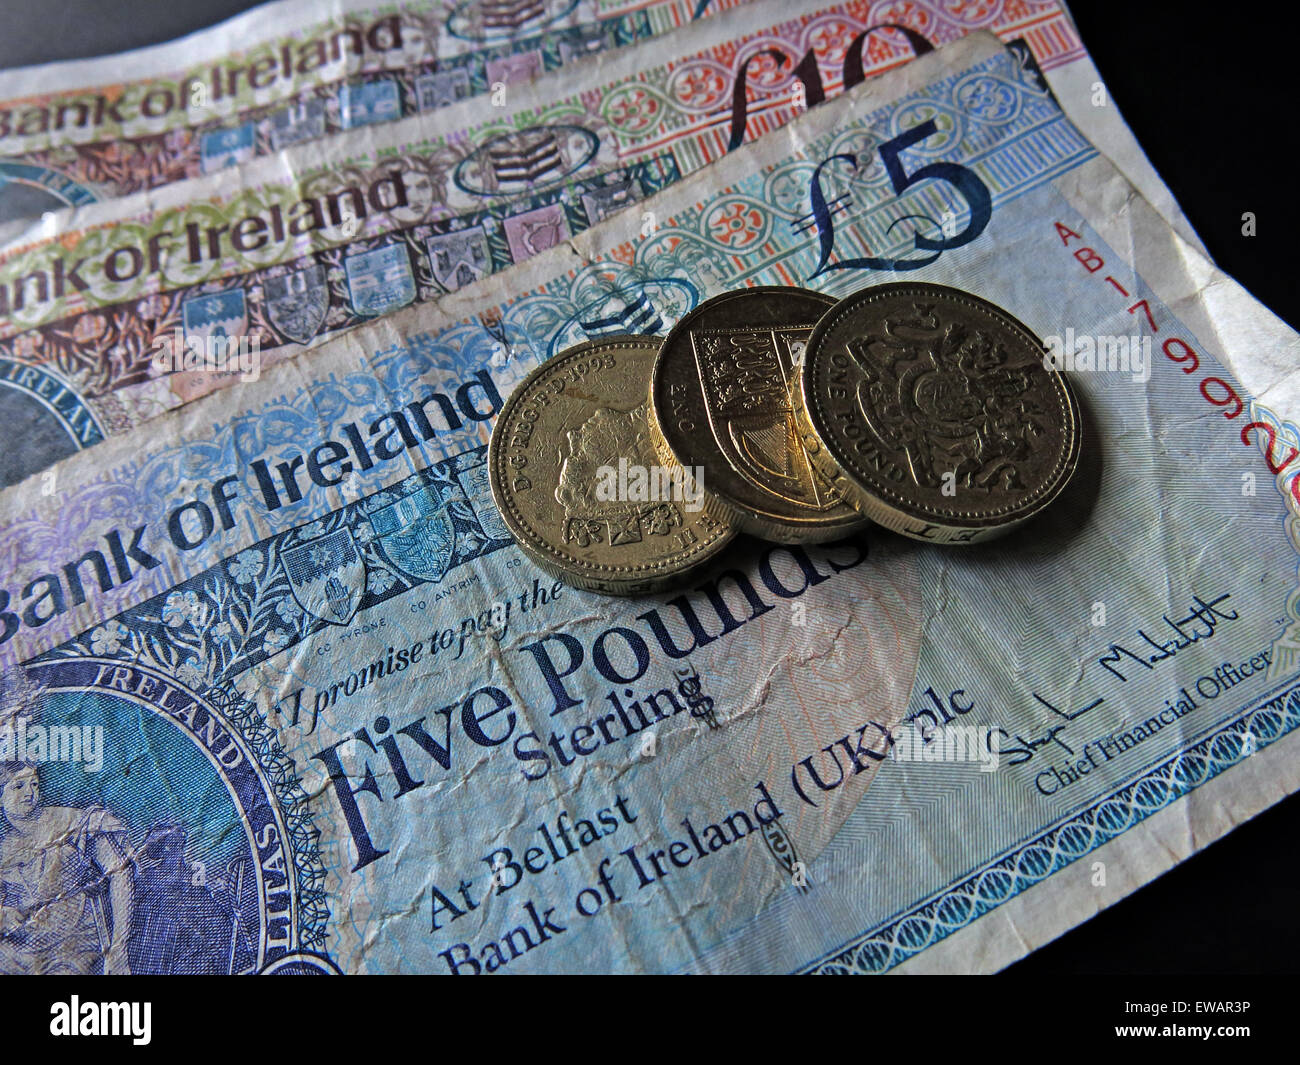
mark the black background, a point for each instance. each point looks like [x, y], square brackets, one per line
[1208, 96]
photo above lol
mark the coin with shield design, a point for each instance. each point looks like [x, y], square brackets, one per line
[721, 404]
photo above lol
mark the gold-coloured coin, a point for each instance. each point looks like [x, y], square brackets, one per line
[934, 413]
[575, 476]
[720, 404]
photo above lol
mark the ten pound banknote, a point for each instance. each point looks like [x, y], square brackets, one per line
[329, 717]
[290, 72]
[124, 310]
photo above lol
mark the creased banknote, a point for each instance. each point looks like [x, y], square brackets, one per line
[312, 710]
[126, 310]
[79, 132]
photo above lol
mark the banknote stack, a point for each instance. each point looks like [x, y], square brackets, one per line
[351, 352]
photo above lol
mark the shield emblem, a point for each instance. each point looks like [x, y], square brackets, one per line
[514, 69]
[369, 103]
[304, 121]
[438, 90]
[745, 376]
[297, 303]
[458, 259]
[532, 232]
[227, 147]
[604, 201]
[582, 42]
[380, 281]
[327, 576]
[479, 490]
[216, 316]
[417, 534]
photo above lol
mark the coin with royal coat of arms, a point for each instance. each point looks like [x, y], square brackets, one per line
[720, 402]
[574, 475]
[933, 412]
